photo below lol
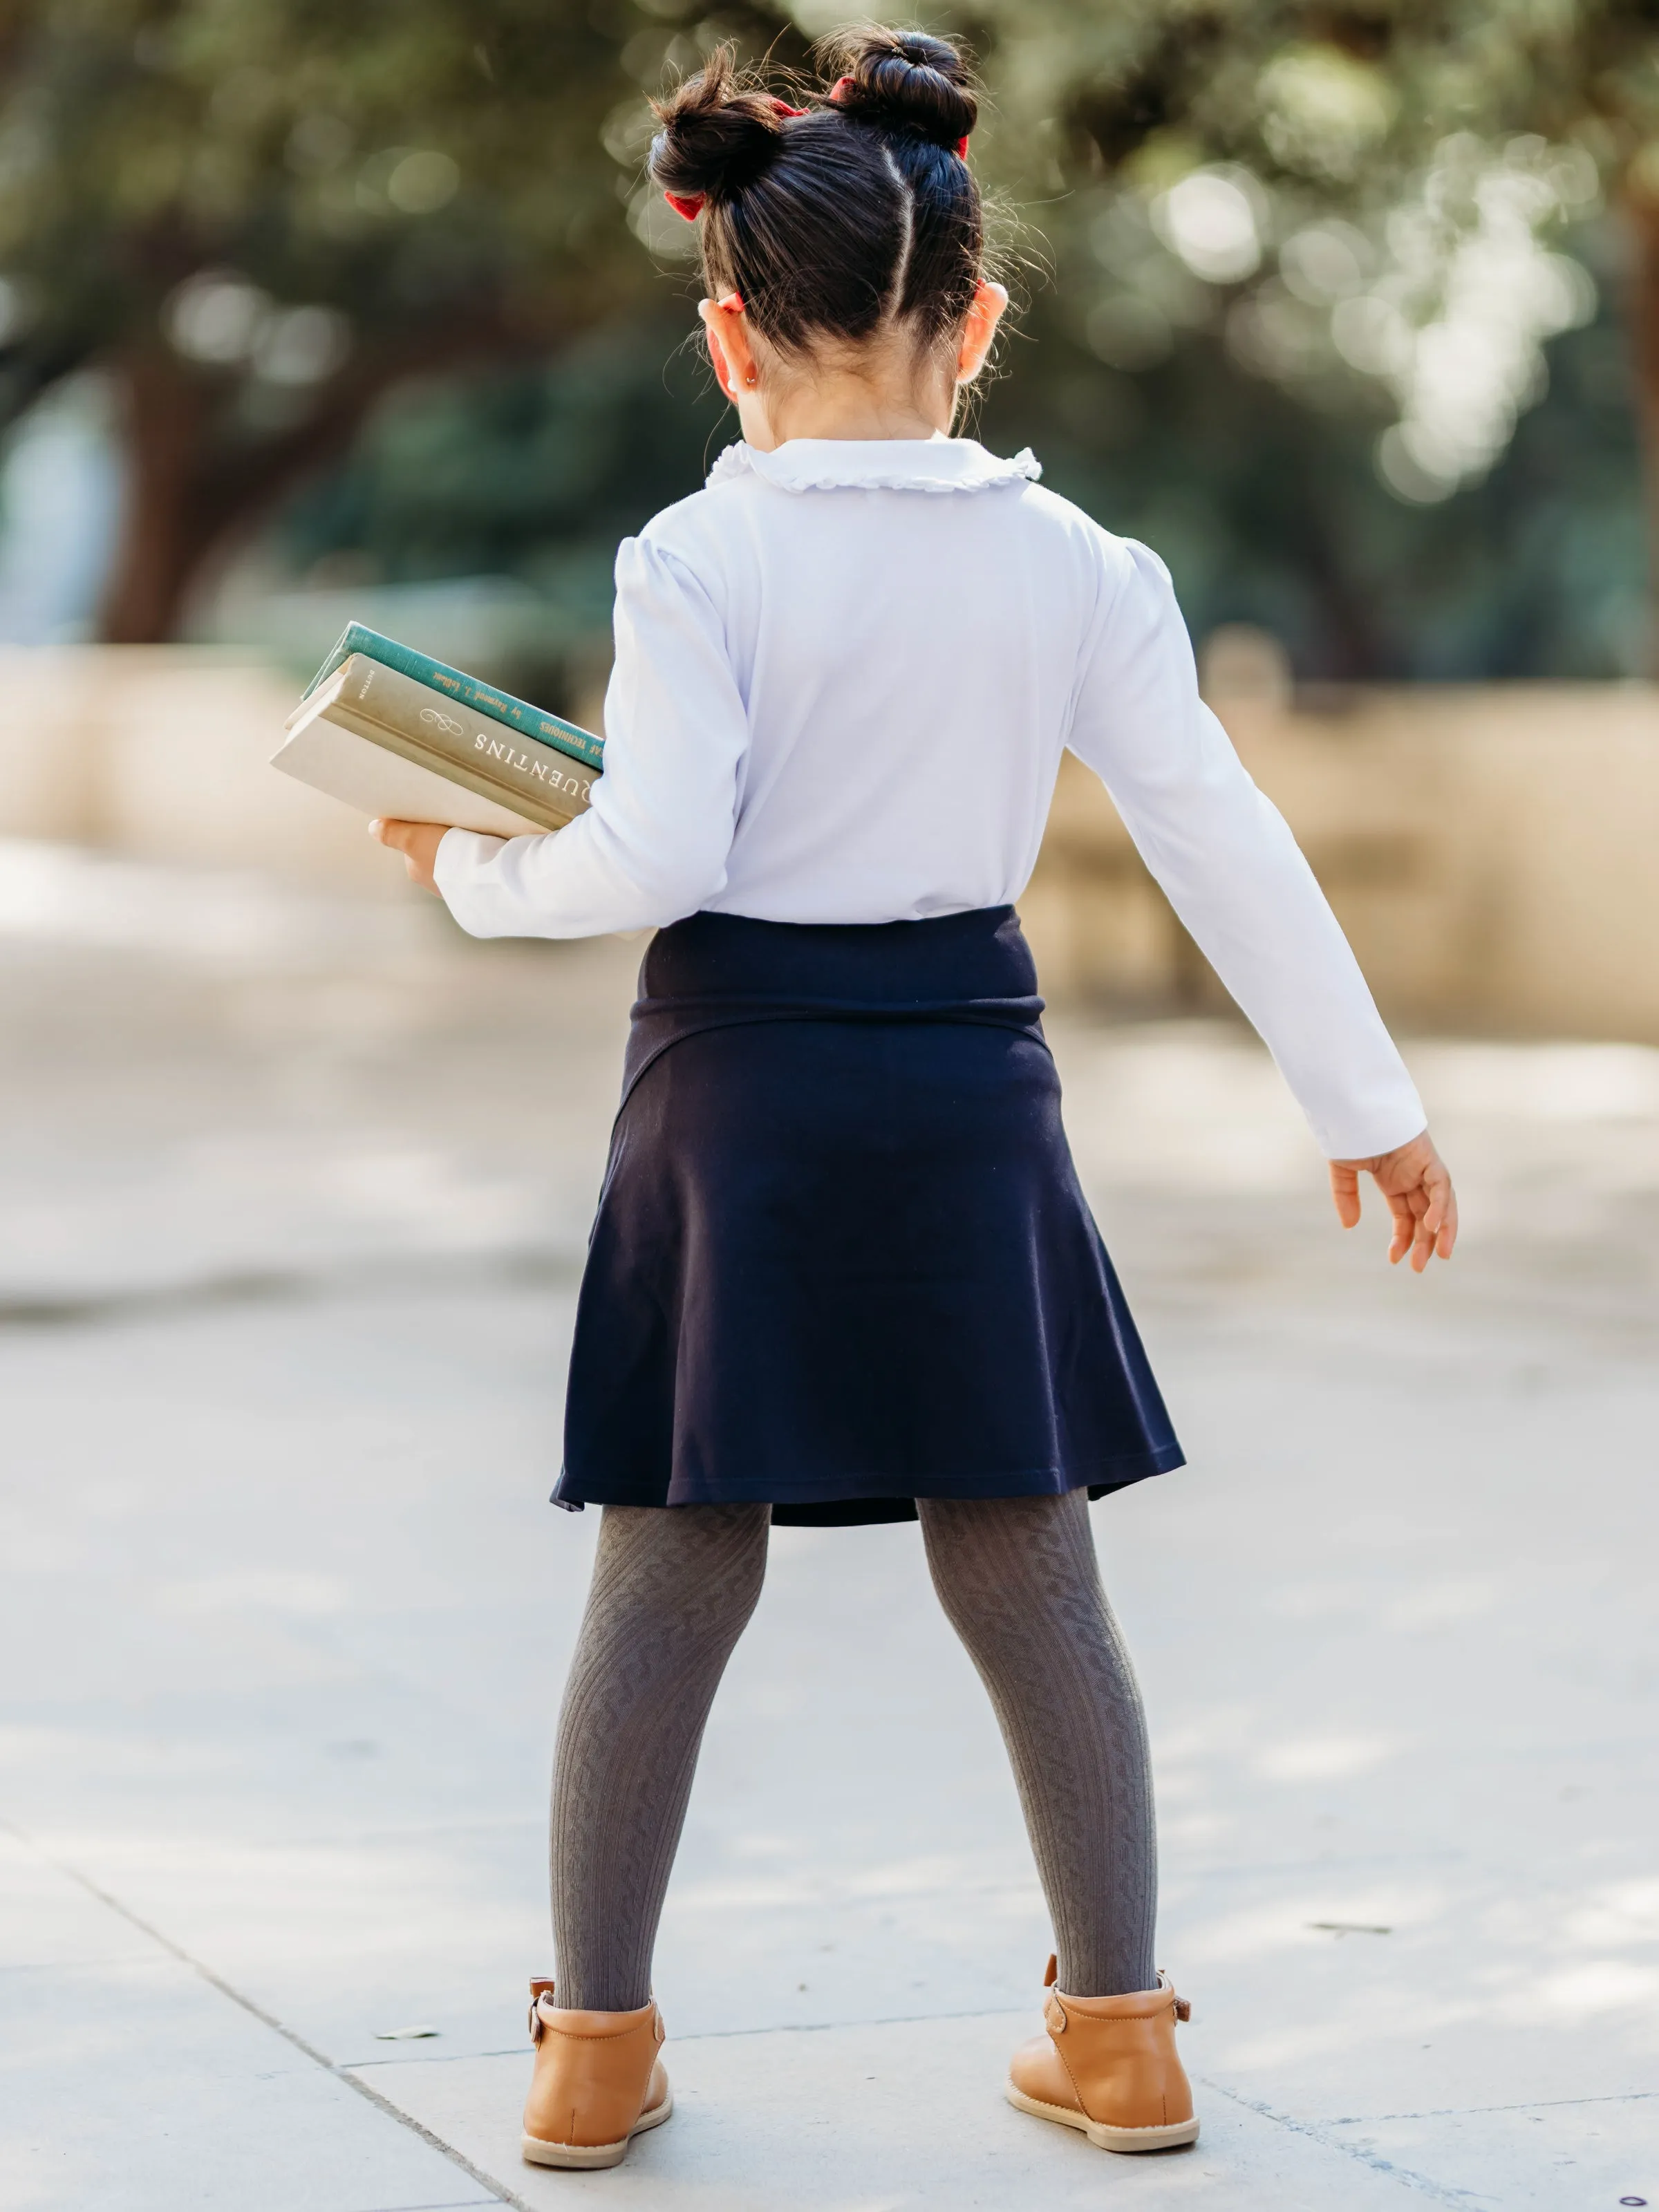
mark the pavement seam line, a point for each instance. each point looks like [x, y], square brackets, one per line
[1470, 2111]
[497, 2189]
[1406, 2175]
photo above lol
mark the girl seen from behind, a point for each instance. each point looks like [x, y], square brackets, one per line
[843, 1270]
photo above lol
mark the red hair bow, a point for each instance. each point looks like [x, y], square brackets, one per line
[845, 84]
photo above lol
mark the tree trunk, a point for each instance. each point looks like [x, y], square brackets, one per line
[193, 491]
[167, 417]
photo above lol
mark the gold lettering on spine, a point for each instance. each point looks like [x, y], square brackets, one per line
[560, 778]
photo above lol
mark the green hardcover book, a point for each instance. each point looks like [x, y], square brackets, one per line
[501, 706]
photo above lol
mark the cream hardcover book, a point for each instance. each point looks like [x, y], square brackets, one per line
[380, 740]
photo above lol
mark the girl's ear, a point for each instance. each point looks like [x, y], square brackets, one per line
[729, 349]
[990, 302]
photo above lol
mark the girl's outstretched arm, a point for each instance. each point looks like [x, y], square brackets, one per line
[1233, 873]
[1230, 867]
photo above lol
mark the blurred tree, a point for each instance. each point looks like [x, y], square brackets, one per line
[1365, 199]
[1269, 510]
[534, 472]
[1182, 378]
[258, 216]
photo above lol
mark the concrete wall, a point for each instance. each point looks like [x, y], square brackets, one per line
[1490, 850]
[163, 752]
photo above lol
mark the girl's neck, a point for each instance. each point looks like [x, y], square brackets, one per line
[843, 405]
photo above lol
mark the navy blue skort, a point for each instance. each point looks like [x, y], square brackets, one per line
[841, 1259]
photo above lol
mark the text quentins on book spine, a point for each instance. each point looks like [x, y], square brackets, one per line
[544, 771]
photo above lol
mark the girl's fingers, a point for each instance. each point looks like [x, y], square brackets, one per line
[1446, 1236]
[1440, 1218]
[1437, 1231]
[417, 842]
[1410, 1218]
[1422, 1245]
[1345, 1193]
[1424, 1216]
[1405, 1228]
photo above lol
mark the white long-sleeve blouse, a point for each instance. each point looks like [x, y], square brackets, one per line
[845, 676]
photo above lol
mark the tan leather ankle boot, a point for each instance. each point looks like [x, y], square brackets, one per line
[1108, 2065]
[599, 2082]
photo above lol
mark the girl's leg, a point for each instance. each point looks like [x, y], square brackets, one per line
[673, 1588]
[1018, 1580]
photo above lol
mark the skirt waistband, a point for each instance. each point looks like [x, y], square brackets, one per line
[718, 971]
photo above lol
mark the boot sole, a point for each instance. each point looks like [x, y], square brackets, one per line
[1171, 2136]
[586, 2155]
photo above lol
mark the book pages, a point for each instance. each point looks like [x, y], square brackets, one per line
[366, 775]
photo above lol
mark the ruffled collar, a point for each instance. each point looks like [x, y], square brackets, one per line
[936, 464]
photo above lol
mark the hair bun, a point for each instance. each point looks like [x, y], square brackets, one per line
[904, 80]
[718, 132]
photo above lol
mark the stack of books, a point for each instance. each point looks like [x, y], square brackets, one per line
[399, 734]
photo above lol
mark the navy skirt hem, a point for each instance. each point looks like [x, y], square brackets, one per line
[842, 1238]
[845, 1502]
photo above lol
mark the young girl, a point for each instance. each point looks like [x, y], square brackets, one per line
[843, 1270]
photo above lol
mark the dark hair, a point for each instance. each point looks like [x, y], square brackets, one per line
[831, 223]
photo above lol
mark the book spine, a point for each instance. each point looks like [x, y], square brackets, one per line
[521, 773]
[541, 812]
[530, 721]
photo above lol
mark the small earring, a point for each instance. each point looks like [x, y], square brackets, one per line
[751, 380]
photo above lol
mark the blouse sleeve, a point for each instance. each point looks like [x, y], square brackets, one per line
[652, 845]
[1231, 869]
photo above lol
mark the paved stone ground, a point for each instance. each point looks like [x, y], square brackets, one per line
[292, 1198]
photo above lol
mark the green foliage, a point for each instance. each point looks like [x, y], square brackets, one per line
[1213, 416]
[1343, 98]
[1279, 234]
[1388, 211]
[534, 473]
[391, 162]
[1270, 512]
[517, 473]
[261, 214]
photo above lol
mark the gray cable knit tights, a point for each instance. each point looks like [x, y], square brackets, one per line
[673, 1588]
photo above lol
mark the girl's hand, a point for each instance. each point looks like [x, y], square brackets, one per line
[418, 843]
[1414, 1180]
